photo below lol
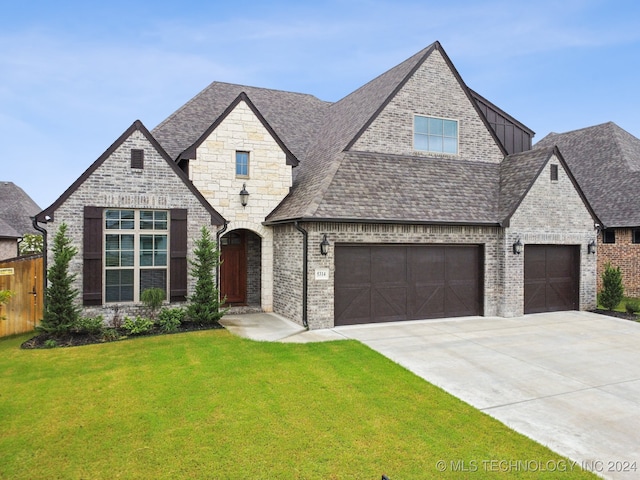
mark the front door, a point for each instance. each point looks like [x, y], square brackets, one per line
[233, 269]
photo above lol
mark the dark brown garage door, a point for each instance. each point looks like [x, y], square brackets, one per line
[551, 275]
[387, 283]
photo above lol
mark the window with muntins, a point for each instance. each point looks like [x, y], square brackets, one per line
[437, 135]
[242, 164]
[135, 253]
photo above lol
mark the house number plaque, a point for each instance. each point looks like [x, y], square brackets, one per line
[322, 274]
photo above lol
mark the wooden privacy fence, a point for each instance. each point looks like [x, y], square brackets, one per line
[24, 277]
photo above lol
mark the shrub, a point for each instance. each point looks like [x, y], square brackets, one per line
[137, 326]
[31, 243]
[5, 295]
[204, 304]
[110, 335]
[61, 312]
[89, 325]
[632, 306]
[612, 290]
[50, 343]
[153, 298]
[170, 319]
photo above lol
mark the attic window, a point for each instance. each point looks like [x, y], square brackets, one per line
[437, 135]
[242, 164]
[554, 173]
[137, 158]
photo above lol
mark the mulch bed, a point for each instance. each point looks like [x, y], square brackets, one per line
[79, 339]
[624, 315]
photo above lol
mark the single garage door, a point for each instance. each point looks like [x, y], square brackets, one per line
[388, 283]
[551, 278]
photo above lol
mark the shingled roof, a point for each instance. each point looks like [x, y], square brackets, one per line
[605, 160]
[16, 210]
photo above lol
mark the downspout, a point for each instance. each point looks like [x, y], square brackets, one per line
[305, 268]
[34, 222]
[219, 233]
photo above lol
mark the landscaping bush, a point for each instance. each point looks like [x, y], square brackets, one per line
[612, 290]
[153, 298]
[110, 335]
[204, 304]
[5, 295]
[60, 312]
[89, 325]
[138, 325]
[632, 306]
[170, 319]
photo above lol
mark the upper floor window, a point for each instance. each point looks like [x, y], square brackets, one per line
[242, 164]
[635, 235]
[554, 173]
[436, 135]
[136, 247]
[609, 236]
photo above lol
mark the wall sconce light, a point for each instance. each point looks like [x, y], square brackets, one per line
[517, 247]
[591, 248]
[244, 195]
[324, 245]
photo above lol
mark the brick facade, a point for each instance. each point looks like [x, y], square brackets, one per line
[624, 254]
[114, 184]
[432, 91]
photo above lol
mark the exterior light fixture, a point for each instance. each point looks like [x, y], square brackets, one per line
[324, 245]
[517, 247]
[244, 195]
[591, 248]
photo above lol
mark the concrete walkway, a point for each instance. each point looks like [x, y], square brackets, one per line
[569, 380]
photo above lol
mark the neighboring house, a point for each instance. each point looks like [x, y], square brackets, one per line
[411, 198]
[605, 161]
[16, 210]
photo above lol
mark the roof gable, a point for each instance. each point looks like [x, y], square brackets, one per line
[137, 126]
[190, 152]
[605, 161]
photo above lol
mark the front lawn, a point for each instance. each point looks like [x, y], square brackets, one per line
[211, 405]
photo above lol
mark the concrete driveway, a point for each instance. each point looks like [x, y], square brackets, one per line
[569, 380]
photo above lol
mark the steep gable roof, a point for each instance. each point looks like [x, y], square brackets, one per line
[16, 210]
[7, 231]
[216, 218]
[344, 122]
[605, 161]
[294, 117]
[190, 153]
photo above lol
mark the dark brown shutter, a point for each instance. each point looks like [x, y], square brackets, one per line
[137, 158]
[92, 256]
[178, 248]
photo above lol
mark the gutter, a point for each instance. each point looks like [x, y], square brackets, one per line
[34, 222]
[219, 233]
[305, 269]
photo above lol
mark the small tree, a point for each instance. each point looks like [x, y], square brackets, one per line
[5, 295]
[612, 290]
[31, 243]
[153, 298]
[61, 312]
[204, 304]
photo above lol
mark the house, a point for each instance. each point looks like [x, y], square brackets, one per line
[605, 161]
[16, 210]
[411, 198]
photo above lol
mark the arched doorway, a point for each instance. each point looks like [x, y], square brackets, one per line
[240, 270]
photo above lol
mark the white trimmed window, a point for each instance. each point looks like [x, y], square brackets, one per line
[437, 135]
[136, 246]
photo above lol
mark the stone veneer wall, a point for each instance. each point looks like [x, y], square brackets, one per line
[552, 213]
[254, 270]
[432, 91]
[213, 173]
[624, 254]
[8, 248]
[287, 272]
[115, 184]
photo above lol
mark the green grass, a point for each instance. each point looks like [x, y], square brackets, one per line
[210, 405]
[621, 306]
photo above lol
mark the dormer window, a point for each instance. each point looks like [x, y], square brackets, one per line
[437, 135]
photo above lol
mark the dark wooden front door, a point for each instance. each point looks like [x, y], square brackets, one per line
[551, 275]
[386, 283]
[233, 270]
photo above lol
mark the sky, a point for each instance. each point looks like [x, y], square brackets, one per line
[74, 75]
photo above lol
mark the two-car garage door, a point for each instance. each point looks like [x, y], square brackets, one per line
[387, 283]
